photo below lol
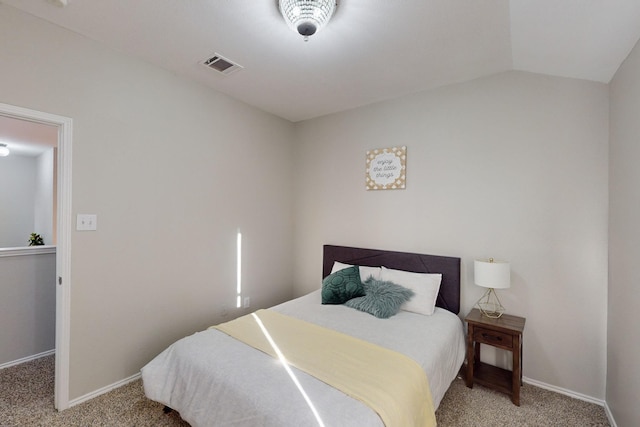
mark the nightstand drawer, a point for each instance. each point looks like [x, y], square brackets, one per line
[488, 336]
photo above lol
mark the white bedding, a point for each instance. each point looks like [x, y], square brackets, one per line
[215, 380]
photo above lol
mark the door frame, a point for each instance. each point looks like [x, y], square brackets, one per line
[63, 244]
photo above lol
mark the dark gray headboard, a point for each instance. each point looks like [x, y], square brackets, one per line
[449, 267]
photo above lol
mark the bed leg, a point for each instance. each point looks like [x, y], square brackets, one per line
[167, 410]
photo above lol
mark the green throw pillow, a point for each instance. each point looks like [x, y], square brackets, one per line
[382, 299]
[341, 286]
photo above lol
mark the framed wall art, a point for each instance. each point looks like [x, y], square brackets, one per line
[386, 168]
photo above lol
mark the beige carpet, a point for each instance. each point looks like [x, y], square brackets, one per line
[464, 407]
[26, 399]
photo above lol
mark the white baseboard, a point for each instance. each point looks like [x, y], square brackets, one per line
[80, 399]
[103, 390]
[564, 391]
[28, 359]
[609, 415]
[575, 395]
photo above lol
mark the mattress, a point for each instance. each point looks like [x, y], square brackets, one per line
[212, 379]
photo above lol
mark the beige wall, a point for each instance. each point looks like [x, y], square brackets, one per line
[512, 166]
[26, 198]
[172, 170]
[27, 305]
[44, 203]
[623, 374]
[17, 199]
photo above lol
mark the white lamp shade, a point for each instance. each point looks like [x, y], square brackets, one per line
[492, 274]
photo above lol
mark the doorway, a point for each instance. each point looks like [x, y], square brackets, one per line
[63, 257]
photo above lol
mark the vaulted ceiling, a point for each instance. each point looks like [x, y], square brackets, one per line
[370, 51]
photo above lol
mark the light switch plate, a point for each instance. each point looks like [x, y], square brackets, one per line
[87, 222]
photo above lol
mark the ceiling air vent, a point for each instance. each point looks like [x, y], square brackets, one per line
[221, 64]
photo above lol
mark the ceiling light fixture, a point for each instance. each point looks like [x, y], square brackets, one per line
[307, 17]
[4, 151]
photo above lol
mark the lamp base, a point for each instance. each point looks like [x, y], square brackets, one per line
[489, 304]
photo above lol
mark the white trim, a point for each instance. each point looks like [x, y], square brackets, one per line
[27, 359]
[564, 391]
[104, 390]
[63, 265]
[63, 258]
[27, 250]
[612, 421]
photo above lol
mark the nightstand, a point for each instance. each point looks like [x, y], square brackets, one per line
[504, 333]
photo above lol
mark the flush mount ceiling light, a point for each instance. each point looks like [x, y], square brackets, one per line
[4, 151]
[307, 17]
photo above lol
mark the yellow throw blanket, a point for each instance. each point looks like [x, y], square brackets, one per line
[392, 384]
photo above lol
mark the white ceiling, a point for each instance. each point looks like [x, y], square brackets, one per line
[371, 50]
[25, 138]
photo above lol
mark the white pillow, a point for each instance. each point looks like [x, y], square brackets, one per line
[424, 285]
[365, 271]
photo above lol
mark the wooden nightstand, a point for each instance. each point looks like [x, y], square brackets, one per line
[505, 333]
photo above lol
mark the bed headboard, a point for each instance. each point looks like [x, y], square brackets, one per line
[449, 267]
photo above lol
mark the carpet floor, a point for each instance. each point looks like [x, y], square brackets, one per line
[26, 399]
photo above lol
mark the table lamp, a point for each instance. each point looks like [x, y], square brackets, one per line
[493, 275]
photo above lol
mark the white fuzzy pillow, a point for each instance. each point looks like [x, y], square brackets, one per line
[425, 287]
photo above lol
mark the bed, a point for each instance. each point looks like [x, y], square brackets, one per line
[214, 379]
